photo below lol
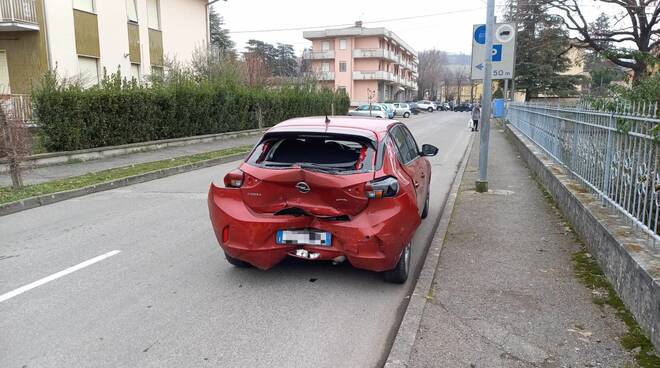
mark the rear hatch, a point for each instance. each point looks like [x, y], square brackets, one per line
[309, 173]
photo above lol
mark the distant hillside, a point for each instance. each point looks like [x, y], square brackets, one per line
[458, 59]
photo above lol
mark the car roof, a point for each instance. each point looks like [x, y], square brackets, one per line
[364, 126]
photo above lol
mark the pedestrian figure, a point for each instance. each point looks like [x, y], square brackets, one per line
[476, 115]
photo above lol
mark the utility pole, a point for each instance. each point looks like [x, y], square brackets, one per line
[482, 183]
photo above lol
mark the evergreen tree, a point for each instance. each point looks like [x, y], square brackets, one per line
[541, 51]
[220, 39]
[601, 70]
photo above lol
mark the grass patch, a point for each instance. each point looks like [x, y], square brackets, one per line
[7, 194]
[589, 273]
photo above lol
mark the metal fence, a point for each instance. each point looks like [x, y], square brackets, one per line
[614, 154]
[18, 107]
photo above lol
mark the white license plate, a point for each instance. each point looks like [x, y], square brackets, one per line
[294, 237]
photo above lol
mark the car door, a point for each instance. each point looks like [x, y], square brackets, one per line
[408, 157]
[362, 110]
[376, 110]
[422, 168]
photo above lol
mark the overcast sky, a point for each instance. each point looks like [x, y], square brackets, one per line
[445, 25]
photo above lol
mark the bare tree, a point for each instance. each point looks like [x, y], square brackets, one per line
[431, 70]
[16, 143]
[255, 70]
[636, 24]
[462, 77]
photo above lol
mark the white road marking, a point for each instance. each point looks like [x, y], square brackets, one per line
[57, 275]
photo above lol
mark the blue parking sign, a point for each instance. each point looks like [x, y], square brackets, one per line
[497, 53]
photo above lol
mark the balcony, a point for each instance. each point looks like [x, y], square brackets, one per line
[319, 55]
[374, 75]
[18, 15]
[376, 53]
[325, 76]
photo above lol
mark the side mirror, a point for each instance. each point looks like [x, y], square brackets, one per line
[429, 150]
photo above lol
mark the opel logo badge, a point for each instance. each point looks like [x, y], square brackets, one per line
[303, 187]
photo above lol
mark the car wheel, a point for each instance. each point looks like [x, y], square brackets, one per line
[406, 114]
[399, 274]
[237, 262]
[425, 211]
[379, 117]
[430, 109]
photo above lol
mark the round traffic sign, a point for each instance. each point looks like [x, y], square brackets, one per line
[480, 34]
[504, 33]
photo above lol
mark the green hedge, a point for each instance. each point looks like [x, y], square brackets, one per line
[119, 112]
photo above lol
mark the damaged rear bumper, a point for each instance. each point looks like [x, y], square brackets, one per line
[371, 240]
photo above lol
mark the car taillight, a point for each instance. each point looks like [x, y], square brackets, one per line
[234, 179]
[382, 188]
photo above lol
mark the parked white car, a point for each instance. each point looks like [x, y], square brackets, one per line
[375, 111]
[402, 109]
[427, 105]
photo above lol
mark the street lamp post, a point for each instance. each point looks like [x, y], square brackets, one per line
[482, 183]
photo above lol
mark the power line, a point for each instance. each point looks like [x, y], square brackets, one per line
[350, 24]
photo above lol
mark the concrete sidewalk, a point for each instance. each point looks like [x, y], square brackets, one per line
[48, 173]
[504, 293]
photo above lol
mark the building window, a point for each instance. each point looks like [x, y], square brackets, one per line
[342, 44]
[4, 74]
[342, 66]
[157, 70]
[153, 14]
[131, 10]
[135, 72]
[89, 71]
[325, 67]
[84, 5]
[325, 46]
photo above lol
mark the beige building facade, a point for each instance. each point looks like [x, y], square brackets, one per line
[82, 38]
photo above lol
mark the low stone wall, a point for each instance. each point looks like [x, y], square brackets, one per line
[58, 158]
[629, 259]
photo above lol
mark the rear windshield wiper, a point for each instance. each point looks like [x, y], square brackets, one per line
[320, 167]
[276, 164]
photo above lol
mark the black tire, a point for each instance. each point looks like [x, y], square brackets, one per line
[425, 211]
[400, 273]
[237, 262]
[430, 109]
[406, 115]
[378, 117]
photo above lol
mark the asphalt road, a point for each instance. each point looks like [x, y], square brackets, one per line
[168, 298]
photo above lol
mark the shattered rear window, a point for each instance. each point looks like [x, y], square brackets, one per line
[326, 152]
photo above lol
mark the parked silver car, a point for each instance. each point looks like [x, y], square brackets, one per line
[373, 110]
[402, 109]
[427, 105]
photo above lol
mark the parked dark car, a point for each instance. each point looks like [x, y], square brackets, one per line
[463, 107]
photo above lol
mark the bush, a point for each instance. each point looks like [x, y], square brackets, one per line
[120, 112]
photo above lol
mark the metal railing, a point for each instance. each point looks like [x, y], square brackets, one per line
[24, 11]
[616, 154]
[18, 107]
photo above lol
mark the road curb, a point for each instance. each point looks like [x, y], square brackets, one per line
[401, 350]
[42, 200]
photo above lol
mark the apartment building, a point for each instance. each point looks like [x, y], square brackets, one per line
[81, 38]
[371, 64]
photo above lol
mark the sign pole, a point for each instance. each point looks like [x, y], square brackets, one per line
[482, 183]
[506, 90]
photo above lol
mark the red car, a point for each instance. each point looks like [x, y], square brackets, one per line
[323, 188]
